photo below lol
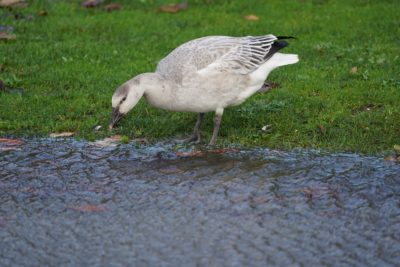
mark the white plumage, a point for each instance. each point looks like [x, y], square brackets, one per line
[205, 74]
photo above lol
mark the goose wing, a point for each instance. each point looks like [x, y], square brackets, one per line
[240, 55]
[247, 55]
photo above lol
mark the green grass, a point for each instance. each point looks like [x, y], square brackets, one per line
[70, 62]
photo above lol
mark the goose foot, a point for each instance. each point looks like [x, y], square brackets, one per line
[192, 139]
[217, 124]
[267, 86]
[195, 137]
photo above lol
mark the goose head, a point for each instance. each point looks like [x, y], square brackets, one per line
[124, 99]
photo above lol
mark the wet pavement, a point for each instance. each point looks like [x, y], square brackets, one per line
[72, 203]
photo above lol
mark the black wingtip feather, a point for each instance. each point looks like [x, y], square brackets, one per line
[279, 45]
[276, 46]
[285, 37]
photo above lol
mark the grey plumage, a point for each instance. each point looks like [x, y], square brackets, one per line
[240, 55]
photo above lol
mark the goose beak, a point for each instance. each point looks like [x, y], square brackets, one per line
[116, 117]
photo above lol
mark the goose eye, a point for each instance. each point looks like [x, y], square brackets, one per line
[122, 100]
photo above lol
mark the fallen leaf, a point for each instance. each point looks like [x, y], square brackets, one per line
[116, 137]
[396, 148]
[91, 3]
[173, 8]
[88, 208]
[141, 140]
[11, 142]
[200, 153]
[266, 128]
[251, 17]
[7, 36]
[315, 94]
[366, 107]
[223, 150]
[9, 148]
[112, 7]
[13, 3]
[392, 158]
[97, 128]
[196, 153]
[31, 190]
[7, 144]
[321, 128]
[42, 13]
[109, 141]
[63, 134]
[353, 70]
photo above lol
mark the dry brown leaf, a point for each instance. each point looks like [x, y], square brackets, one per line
[7, 144]
[42, 13]
[366, 108]
[200, 153]
[392, 158]
[223, 150]
[141, 140]
[7, 36]
[322, 129]
[11, 142]
[116, 137]
[13, 3]
[9, 148]
[251, 17]
[91, 3]
[353, 70]
[173, 8]
[88, 208]
[63, 134]
[112, 7]
[109, 141]
[196, 153]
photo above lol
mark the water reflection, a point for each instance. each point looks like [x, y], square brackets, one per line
[65, 202]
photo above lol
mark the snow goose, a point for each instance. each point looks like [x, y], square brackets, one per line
[203, 75]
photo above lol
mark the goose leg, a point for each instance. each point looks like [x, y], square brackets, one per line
[264, 88]
[196, 137]
[217, 123]
[267, 86]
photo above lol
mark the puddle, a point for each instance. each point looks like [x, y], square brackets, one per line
[67, 202]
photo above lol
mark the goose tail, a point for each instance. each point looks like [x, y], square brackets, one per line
[280, 59]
